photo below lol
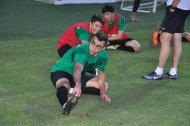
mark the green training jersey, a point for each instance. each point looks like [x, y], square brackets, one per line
[83, 34]
[80, 54]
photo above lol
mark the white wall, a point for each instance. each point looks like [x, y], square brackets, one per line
[59, 2]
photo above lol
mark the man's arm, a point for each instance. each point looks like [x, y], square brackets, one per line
[101, 83]
[121, 29]
[83, 35]
[116, 37]
[175, 3]
[77, 78]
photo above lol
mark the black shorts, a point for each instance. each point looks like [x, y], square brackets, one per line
[55, 76]
[120, 42]
[63, 49]
[174, 22]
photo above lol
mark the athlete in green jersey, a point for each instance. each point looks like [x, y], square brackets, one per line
[72, 71]
[82, 56]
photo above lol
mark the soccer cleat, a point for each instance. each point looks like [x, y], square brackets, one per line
[75, 100]
[67, 106]
[153, 76]
[112, 47]
[168, 75]
[70, 104]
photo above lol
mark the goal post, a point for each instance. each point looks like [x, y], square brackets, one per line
[146, 6]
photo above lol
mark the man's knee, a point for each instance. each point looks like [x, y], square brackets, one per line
[133, 46]
[62, 82]
[137, 47]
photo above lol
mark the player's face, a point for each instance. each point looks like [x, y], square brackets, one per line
[96, 46]
[109, 16]
[95, 27]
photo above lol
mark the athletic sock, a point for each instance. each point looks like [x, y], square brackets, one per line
[126, 48]
[173, 71]
[91, 90]
[62, 95]
[159, 71]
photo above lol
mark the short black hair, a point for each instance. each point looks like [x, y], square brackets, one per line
[101, 36]
[95, 18]
[108, 8]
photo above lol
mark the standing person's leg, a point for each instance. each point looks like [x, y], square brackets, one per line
[165, 39]
[177, 49]
[134, 11]
[136, 5]
[180, 19]
[172, 26]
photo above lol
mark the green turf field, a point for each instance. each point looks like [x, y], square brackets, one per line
[28, 38]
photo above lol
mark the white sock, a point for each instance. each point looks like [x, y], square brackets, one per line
[96, 71]
[71, 90]
[159, 71]
[173, 71]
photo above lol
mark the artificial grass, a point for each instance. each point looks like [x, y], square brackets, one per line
[28, 49]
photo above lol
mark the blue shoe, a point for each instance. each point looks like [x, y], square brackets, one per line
[168, 75]
[153, 76]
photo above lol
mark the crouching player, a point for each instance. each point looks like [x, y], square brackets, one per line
[72, 71]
